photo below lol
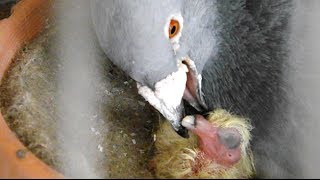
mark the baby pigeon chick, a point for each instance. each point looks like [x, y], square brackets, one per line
[217, 148]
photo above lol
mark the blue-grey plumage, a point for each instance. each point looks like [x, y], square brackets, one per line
[240, 56]
[133, 35]
[247, 76]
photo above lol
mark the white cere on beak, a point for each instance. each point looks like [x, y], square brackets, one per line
[167, 97]
[175, 40]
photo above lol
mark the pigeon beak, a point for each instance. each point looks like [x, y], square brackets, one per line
[167, 97]
[192, 93]
[168, 94]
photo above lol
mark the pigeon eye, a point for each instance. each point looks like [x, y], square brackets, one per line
[173, 28]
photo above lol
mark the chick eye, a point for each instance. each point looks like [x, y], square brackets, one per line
[173, 28]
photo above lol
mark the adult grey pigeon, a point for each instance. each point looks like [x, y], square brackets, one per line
[192, 56]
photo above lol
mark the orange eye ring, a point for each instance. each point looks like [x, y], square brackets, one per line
[173, 28]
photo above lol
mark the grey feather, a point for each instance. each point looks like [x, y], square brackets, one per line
[132, 35]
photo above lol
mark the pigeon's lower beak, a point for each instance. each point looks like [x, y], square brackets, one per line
[181, 130]
[192, 93]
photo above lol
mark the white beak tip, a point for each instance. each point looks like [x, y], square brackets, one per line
[188, 122]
